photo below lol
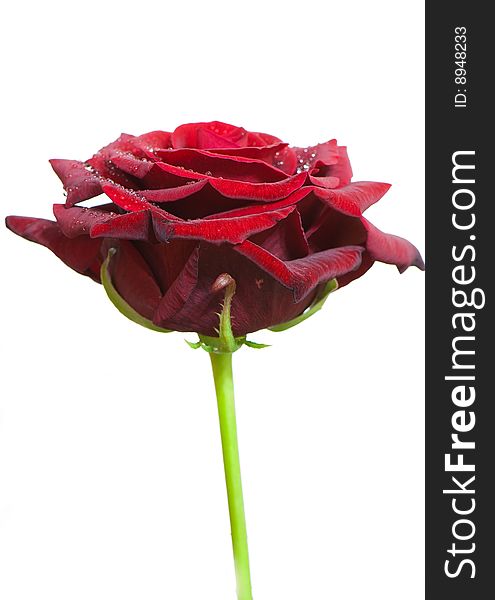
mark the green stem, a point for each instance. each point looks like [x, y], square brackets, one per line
[224, 386]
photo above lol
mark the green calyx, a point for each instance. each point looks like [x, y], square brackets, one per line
[212, 344]
[119, 302]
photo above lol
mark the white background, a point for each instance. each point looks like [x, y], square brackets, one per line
[111, 481]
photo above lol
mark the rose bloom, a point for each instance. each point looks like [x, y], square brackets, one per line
[182, 208]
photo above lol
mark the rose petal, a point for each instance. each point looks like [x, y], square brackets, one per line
[159, 177]
[259, 192]
[166, 261]
[332, 229]
[128, 163]
[124, 143]
[325, 154]
[278, 155]
[126, 199]
[355, 198]
[256, 209]
[81, 254]
[181, 172]
[101, 164]
[145, 172]
[210, 164]
[206, 202]
[217, 231]
[134, 280]
[153, 139]
[303, 274]
[129, 226]
[349, 200]
[326, 182]
[342, 168]
[310, 208]
[208, 139]
[391, 249]
[265, 153]
[180, 290]
[255, 138]
[79, 180]
[186, 136]
[75, 220]
[366, 263]
[174, 193]
[286, 240]
[259, 301]
[134, 202]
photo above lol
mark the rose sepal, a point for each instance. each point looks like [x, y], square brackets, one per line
[210, 344]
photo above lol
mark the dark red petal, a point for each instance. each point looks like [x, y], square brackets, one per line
[134, 280]
[310, 208]
[129, 226]
[264, 153]
[75, 220]
[166, 261]
[152, 140]
[349, 200]
[303, 274]
[333, 229]
[174, 193]
[165, 176]
[132, 157]
[81, 254]
[342, 168]
[366, 264]
[233, 230]
[326, 182]
[126, 199]
[355, 198]
[256, 209]
[107, 171]
[278, 155]
[104, 168]
[128, 163]
[209, 139]
[209, 164]
[179, 172]
[259, 301]
[255, 138]
[124, 143]
[205, 202]
[326, 163]
[259, 192]
[148, 174]
[79, 180]
[180, 290]
[323, 154]
[286, 240]
[391, 249]
[134, 202]
[286, 161]
[186, 136]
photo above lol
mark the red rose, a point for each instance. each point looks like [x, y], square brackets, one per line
[211, 198]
